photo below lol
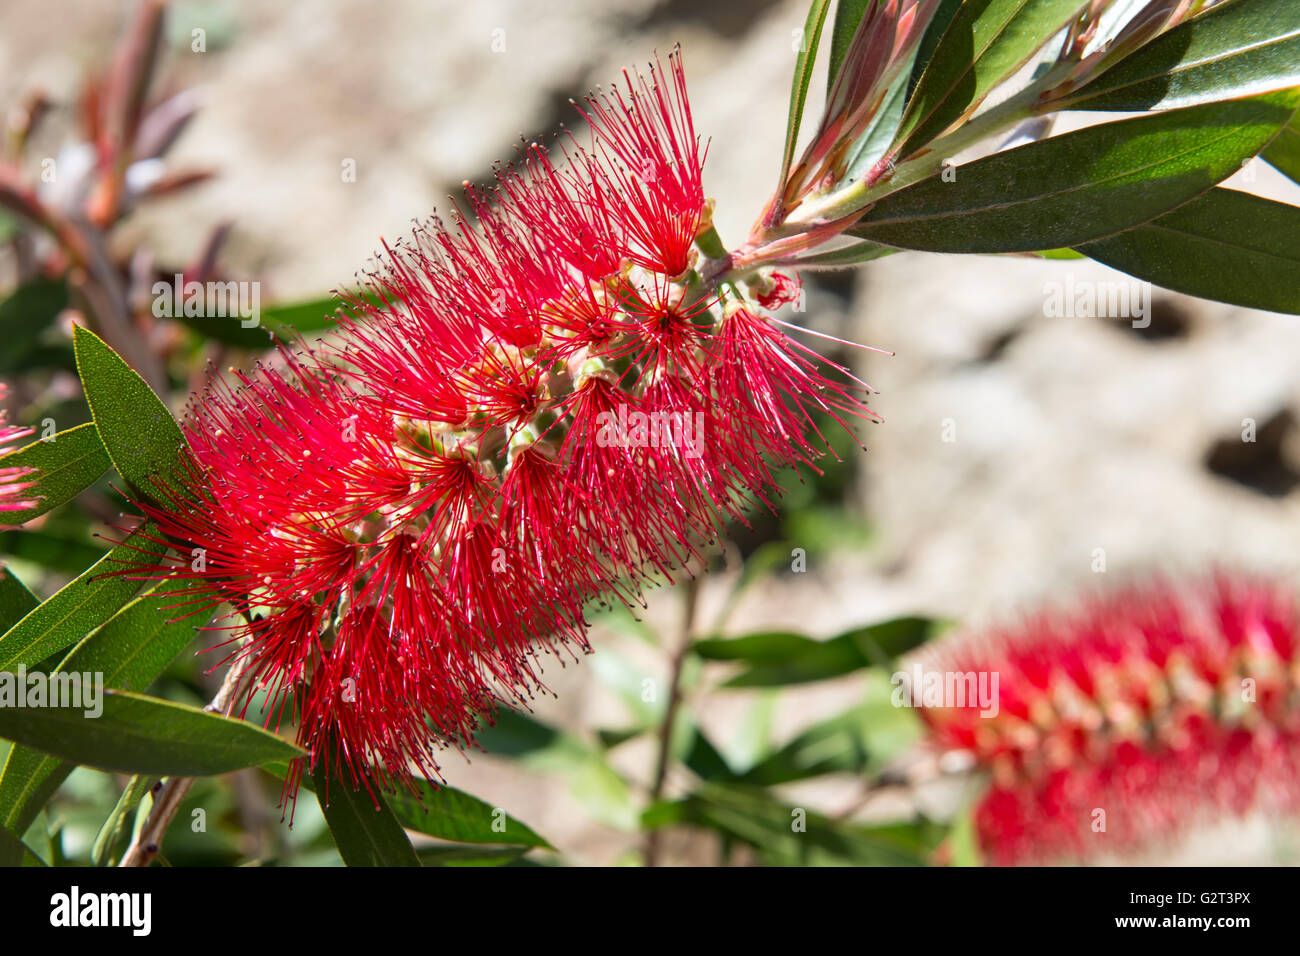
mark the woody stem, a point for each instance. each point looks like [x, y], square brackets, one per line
[690, 596]
[167, 800]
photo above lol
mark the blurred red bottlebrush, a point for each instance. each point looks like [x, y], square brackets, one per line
[1127, 721]
[541, 408]
[12, 483]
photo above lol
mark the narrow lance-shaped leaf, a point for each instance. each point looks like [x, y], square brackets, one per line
[1225, 245]
[65, 464]
[1284, 152]
[809, 40]
[138, 432]
[14, 852]
[1232, 50]
[143, 735]
[363, 827]
[131, 650]
[80, 606]
[446, 813]
[778, 657]
[1080, 186]
[15, 600]
[985, 43]
[110, 834]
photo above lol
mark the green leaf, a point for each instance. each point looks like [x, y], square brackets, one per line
[14, 852]
[313, 315]
[139, 433]
[27, 781]
[469, 856]
[135, 646]
[446, 813]
[144, 735]
[848, 17]
[859, 741]
[80, 606]
[1233, 50]
[15, 600]
[1081, 186]
[451, 814]
[1225, 245]
[785, 835]
[777, 658]
[278, 323]
[986, 42]
[66, 464]
[364, 828]
[132, 648]
[1284, 152]
[803, 71]
[114, 827]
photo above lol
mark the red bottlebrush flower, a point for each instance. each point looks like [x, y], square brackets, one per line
[12, 484]
[535, 410]
[652, 161]
[1137, 715]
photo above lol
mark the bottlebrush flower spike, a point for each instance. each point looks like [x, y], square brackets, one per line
[1161, 706]
[540, 408]
[12, 484]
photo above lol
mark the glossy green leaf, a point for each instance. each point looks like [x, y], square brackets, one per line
[986, 42]
[27, 781]
[446, 813]
[278, 323]
[751, 815]
[14, 852]
[144, 735]
[363, 827]
[469, 856]
[114, 828]
[66, 464]
[803, 72]
[138, 432]
[1080, 186]
[859, 741]
[451, 814]
[777, 658]
[939, 24]
[1284, 152]
[79, 607]
[16, 602]
[131, 650]
[1225, 245]
[852, 255]
[1233, 50]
